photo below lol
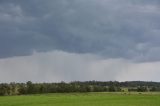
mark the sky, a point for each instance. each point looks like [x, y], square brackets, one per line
[79, 40]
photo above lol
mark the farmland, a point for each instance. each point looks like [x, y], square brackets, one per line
[84, 99]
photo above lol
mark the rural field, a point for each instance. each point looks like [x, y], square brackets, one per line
[83, 99]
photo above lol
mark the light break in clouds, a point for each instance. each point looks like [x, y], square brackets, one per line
[62, 66]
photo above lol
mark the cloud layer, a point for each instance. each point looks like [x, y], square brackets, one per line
[62, 66]
[112, 28]
[79, 40]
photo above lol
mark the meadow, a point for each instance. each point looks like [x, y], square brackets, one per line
[83, 99]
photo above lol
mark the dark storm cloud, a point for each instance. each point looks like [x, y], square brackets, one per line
[111, 28]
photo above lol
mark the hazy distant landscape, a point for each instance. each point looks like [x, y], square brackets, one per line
[78, 87]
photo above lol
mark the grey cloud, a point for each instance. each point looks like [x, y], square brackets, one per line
[110, 28]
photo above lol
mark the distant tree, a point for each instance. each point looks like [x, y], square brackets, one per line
[142, 89]
[22, 89]
[4, 89]
[13, 88]
[30, 87]
[111, 88]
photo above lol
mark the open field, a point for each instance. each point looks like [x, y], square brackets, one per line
[83, 99]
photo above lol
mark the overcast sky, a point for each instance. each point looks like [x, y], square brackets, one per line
[68, 40]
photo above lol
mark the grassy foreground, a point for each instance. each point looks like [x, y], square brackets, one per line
[83, 99]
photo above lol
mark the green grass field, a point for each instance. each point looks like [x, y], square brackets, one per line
[83, 99]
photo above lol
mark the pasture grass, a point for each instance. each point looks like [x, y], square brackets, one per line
[84, 99]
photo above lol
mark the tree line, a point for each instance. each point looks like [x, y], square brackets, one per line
[77, 86]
